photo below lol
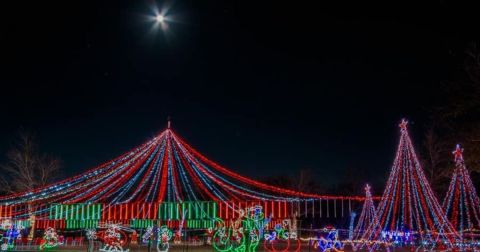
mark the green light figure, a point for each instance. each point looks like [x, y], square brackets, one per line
[244, 233]
[163, 239]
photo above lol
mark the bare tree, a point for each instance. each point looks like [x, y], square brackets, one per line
[352, 181]
[306, 181]
[25, 168]
[303, 181]
[436, 163]
[457, 121]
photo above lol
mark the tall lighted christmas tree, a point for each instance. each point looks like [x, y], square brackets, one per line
[367, 217]
[409, 212]
[461, 203]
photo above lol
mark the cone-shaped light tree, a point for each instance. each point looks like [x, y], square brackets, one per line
[409, 211]
[367, 217]
[461, 203]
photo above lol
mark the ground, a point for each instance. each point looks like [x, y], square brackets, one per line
[183, 249]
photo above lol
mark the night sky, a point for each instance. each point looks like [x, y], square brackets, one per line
[262, 88]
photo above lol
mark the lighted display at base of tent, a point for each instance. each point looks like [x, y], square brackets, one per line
[243, 234]
[200, 224]
[50, 239]
[161, 235]
[198, 215]
[6, 211]
[129, 211]
[179, 232]
[278, 209]
[168, 212]
[9, 233]
[7, 223]
[142, 223]
[44, 224]
[329, 242]
[195, 210]
[81, 216]
[81, 224]
[147, 237]
[23, 211]
[76, 212]
[228, 239]
[283, 237]
[23, 223]
[114, 237]
[91, 235]
[163, 240]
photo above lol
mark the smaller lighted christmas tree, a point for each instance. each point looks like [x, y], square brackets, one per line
[367, 217]
[409, 213]
[461, 204]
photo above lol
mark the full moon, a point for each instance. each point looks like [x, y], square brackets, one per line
[160, 18]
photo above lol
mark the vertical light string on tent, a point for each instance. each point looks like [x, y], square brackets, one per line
[320, 207]
[298, 208]
[342, 208]
[292, 206]
[313, 209]
[306, 209]
[328, 209]
[335, 208]
[349, 206]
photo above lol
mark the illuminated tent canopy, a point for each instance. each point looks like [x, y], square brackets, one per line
[164, 169]
[162, 182]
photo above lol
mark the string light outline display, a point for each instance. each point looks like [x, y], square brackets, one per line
[408, 204]
[167, 169]
[367, 217]
[461, 202]
[113, 238]
[91, 235]
[164, 168]
[50, 239]
[12, 233]
[161, 235]
[330, 243]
